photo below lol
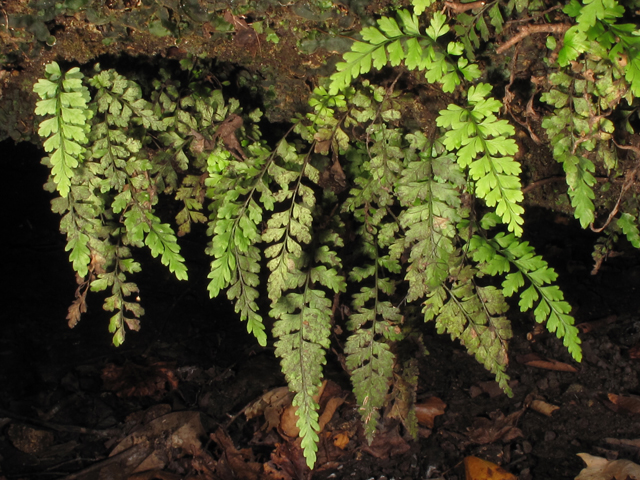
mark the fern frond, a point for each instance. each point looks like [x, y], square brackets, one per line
[496, 257]
[234, 220]
[483, 146]
[430, 192]
[393, 43]
[64, 99]
[473, 315]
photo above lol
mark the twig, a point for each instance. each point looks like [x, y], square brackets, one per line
[539, 183]
[533, 17]
[544, 181]
[62, 428]
[629, 180]
[137, 453]
[527, 30]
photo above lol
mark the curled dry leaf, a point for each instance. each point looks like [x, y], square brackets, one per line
[428, 410]
[599, 468]
[543, 407]
[534, 360]
[478, 469]
[271, 405]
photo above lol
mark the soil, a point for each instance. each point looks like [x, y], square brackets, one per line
[69, 398]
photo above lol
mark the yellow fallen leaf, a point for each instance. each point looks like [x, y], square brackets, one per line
[479, 469]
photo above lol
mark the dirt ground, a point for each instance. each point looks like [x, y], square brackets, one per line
[69, 399]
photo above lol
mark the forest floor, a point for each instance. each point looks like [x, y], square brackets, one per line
[178, 394]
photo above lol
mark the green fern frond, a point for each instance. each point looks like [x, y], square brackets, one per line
[484, 147]
[430, 192]
[393, 43]
[473, 315]
[496, 257]
[64, 99]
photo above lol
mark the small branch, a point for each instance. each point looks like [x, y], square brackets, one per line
[527, 30]
[539, 183]
[463, 7]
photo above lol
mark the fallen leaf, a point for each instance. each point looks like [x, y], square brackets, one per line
[621, 441]
[173, 436]
[497, 427]
[492, 388]
[235, 463]
[329, 409]
[625, 404]
[132, 380]
[271, 405]
[387, 444]
[593, 325]
[534, 360]
[28, 439]
[543, 407]
[478, 469]
[428, 410]
[289, 418]
[599, 468]
[341, 440]
[289, 460]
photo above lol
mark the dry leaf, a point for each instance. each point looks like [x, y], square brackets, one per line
[498, 427]
[543, 407]
[235, 463]
[387, 444]
[599, 468]
[271, 405]
[479, 469]
[133, 380]
[534, 360]
[428, 410]
[172, 436]
[625, 442]
[625, 404]
[341, 440]
[289, 417]
[329, 409]
[289, 458]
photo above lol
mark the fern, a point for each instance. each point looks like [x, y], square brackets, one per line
[64, 98]
[393, 44]
[348, 172]
[476, 131]
[430, 191]
[497, 255]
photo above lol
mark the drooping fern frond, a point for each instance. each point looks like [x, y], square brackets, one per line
[497, 255]
[234, 221]
[393, 43]
[483, 145]
[64, 99]
[576, 129]
[303, 327]
[303, 315]
[473, 315]
[430, 190]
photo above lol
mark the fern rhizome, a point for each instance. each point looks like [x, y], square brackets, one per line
[427, 216]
